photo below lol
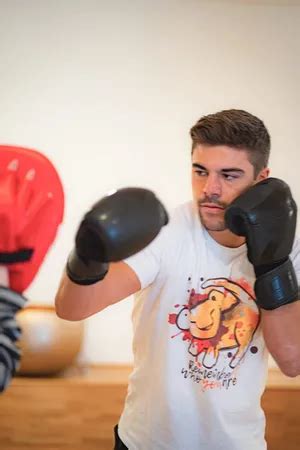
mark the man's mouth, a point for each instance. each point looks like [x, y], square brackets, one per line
[211, 207]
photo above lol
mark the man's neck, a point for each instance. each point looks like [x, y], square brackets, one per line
[227, 239]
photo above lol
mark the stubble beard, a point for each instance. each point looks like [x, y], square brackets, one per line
[216, 223]
[212, 224]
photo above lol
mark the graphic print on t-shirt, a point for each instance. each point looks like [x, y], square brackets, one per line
[218, 325]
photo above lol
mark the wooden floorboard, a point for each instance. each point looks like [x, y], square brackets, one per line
[79, 410]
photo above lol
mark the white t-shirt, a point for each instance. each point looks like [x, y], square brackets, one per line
[200, 360]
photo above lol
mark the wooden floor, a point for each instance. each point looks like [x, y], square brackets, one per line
[79, 410]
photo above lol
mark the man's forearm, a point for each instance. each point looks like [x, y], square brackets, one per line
[76, 302]
[281, 329]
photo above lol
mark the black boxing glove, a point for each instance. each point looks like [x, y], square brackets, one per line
[118, 226]
[266, 215]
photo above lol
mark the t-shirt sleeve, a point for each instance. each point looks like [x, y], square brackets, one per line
[154, 261]
[148, 262]
[295, 258]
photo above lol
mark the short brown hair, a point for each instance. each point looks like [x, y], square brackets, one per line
[238, 129]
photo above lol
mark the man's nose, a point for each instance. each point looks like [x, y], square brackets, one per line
[212, 186]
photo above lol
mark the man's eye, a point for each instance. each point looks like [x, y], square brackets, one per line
[201, 173]
[229, 177]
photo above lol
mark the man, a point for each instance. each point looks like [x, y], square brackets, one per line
[216, 289]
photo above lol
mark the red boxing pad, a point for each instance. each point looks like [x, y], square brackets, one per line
[31, 210]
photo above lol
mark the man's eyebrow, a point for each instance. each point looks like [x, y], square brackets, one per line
[198, 166]
[229, 169]
[233, 169]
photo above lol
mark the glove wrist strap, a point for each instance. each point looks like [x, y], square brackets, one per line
[277, 287]
[85, 273]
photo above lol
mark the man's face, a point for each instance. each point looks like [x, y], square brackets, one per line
[219, 175]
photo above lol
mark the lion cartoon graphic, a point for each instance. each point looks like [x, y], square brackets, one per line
[223, 317]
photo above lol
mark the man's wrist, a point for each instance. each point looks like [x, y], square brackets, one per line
[85, 273]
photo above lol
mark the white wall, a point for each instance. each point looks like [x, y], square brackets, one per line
[109, 90]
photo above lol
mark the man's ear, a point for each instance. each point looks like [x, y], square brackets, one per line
[263, 174]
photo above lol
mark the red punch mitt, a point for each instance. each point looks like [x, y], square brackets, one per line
[31, 210]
